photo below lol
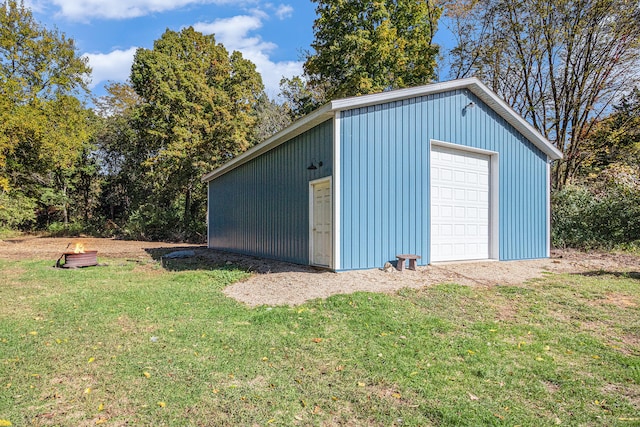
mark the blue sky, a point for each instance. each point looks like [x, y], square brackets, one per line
[272, 34]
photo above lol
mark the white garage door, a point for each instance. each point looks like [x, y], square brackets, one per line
[459, 205]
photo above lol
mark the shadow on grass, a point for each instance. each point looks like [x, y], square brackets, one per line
[620, 274]
[211, 259]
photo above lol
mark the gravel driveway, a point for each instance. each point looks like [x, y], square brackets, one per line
[286, 284]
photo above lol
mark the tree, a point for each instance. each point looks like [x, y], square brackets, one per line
[197, 110]
[560, 64]
[44, 128]
[614, 141]
[120, 153]
[301, 97]
[272, 118]
[368, 46]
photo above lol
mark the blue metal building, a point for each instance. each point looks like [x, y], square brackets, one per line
[447, 171]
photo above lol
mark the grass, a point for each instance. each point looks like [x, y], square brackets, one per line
[136, 344]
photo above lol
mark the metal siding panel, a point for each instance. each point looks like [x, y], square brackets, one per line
[377, 159]
[261, 208]
[385, 177]
[380, 195]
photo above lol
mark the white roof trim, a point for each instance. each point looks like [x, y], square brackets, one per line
[328, 110]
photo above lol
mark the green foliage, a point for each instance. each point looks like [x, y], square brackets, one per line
[604, 210]
[301, 97]
[615, 140]
[583, 217]
[16, 210]
[44, 127]
[148, 222]
[196, 110]
[272, 118]
[368, 46]
[120, 153]
[60, 229]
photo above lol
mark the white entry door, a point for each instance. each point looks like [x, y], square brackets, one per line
[459, 204]
[321, 223]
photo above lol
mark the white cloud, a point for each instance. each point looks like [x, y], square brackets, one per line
[115, 65]
[83, 10]
[233, 33]
[284, 11]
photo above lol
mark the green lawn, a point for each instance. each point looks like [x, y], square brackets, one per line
[135, 344]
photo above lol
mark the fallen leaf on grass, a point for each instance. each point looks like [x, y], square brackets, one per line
[317, 340]
[101, 420]
[5, 423]
[162, 404]
[473, 396]
[87, 390]
[397, 395]
[317, 410]
[361, 384]
[101, 407]
[33, 333]
[91, 360]
[146, 374]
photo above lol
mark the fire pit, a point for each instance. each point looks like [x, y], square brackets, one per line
[78, 258]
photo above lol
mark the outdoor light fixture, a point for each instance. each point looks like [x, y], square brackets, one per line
[313, 166]
[470, 105]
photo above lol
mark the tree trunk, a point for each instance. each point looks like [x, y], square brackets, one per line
[187, 209]
[65, 210]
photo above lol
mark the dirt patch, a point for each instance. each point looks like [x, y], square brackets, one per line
[279, 283]
[620, 301]
[31, 247]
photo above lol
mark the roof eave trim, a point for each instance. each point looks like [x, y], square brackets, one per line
[320, 115]
[509, 114]
[400, 94]
[471, 83]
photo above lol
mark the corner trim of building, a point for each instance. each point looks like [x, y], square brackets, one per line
[336, 192]
[548, 208]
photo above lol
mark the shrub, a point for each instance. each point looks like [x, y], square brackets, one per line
[59, 229]
[587, 217]
[16, 210]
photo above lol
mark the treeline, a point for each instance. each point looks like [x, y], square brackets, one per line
[601, 208]
[131, 164]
